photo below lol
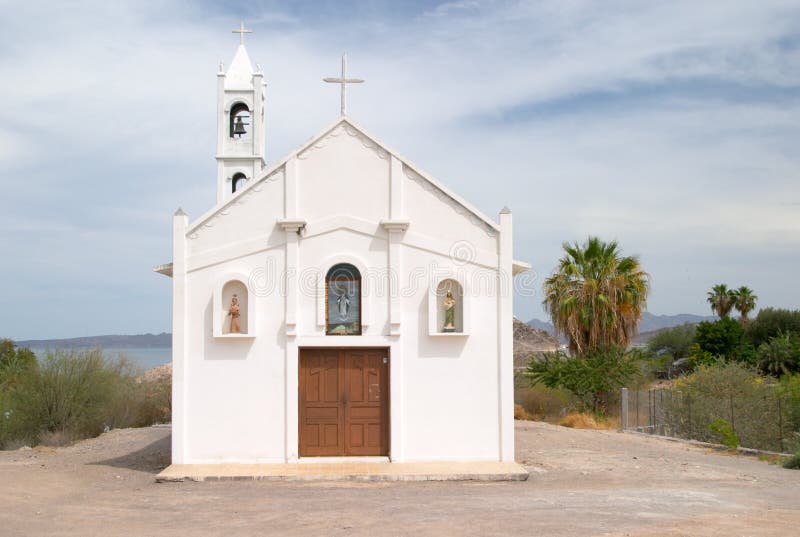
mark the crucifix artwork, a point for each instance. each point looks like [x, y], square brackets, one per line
[343, 80]
[241, 31]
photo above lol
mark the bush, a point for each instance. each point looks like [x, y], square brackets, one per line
[725, 431]
[676, 341]
[738, 395]
[770, 322]
[14, 363]
[591, 376]
[724, 338]
[77, 394]
[780, 355]
[793, 462]
[541, 402]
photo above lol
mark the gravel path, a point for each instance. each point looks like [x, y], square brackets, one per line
[582, 483]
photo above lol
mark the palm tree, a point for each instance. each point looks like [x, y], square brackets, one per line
[744, 300]
[777, 356]
[721, 300]
[596, 296]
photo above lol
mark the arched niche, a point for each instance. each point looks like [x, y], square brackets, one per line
[224, 312]
[448, 291]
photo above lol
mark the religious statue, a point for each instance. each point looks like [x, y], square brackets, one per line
[449, 312]
[234, 312]
[343, 305]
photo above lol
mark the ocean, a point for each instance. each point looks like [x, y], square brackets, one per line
[144, 357]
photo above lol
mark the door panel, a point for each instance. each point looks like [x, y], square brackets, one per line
[321, 410]
[344, 402]
[366, 413]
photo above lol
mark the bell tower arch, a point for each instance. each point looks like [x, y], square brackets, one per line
[240, 121]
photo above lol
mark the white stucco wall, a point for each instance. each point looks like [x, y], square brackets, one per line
[347, 195]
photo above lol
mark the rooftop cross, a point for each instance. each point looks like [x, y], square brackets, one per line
[241, 31]
[344, 81]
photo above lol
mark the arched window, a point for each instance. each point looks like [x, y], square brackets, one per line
[238, 181]
[239, 121]
[343, 301]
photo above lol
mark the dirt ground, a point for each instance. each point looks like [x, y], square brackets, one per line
[582, 483]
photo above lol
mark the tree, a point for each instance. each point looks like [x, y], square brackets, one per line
[596, 295]
[780, 355]
[721, 300]
[670, 345]
[591, 376]
[724, 339]
[676, 341]
[744, 300]
[14, 362]
[770, 322]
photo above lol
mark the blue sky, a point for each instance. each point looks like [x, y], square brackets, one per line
[672, 127]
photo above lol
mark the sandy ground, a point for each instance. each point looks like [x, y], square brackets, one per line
[582, 483]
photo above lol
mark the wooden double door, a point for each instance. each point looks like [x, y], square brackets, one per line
[344, 402]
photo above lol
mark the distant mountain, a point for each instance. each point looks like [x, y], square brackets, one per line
[528, 341]
[542, 325]
[649, 322]
[162, 340]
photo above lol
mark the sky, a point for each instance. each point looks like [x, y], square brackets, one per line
[671, 127]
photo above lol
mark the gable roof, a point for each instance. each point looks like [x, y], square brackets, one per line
[314, 140]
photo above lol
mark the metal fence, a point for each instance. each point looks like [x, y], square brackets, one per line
[759, 421]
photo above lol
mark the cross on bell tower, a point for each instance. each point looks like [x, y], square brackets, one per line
[241, 31]
[343, 80]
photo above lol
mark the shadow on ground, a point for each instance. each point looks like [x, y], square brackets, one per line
[152, 458]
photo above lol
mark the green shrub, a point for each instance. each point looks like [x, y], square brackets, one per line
[542, 402]
[770, 322]
[724, 338]
[14, 363]
[591, 376]
[675, 341]
[793, 462]
[725, 431]
[758, 410]
[77, 394]
[780, 355]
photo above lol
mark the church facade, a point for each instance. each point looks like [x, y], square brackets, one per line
[337, 303]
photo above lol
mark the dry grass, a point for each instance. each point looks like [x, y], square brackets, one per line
[521, 414]
[582, 420]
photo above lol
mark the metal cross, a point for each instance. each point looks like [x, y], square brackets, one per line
[344, 81]
[241, 31]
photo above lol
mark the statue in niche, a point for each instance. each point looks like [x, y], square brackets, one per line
[234, 312]
[343, 304]
[449, 304]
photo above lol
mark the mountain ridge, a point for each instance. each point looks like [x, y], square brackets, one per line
[649, 323]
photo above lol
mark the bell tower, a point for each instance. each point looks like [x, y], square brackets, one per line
[240, 122]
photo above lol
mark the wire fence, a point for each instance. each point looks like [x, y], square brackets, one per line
[762, 419]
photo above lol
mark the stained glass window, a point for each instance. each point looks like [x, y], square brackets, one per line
[343, 302]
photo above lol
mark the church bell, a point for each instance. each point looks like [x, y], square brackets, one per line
[238, 128]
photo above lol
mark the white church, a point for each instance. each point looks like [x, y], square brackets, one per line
[339, 302]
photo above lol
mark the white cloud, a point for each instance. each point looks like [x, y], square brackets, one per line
[670, 126]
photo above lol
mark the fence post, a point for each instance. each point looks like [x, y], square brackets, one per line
[689, 411]
[780, 421]
[623, 411]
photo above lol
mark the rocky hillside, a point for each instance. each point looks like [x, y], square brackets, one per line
[529, 340]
